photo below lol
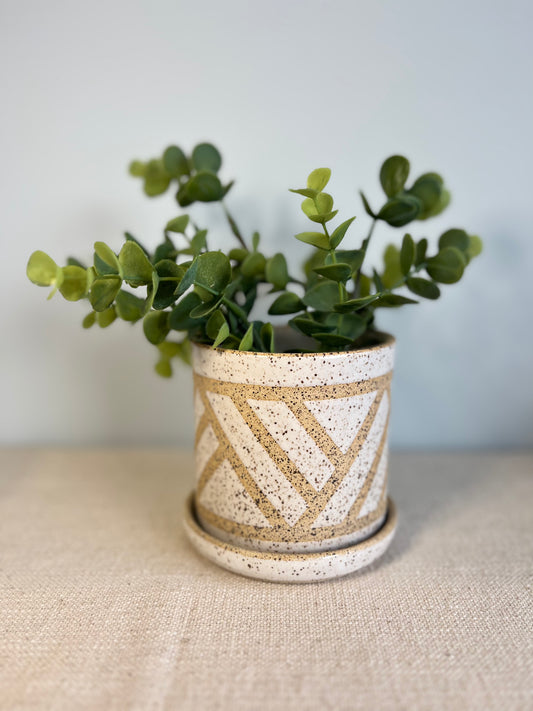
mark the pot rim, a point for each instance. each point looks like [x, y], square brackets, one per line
[387, 341]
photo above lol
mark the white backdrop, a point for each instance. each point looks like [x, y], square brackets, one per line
[281, 87]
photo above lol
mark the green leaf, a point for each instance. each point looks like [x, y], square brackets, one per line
[338, 234]
[393, 175]
[286, 303]
[222, 335]
[136, 268]
[183, 197]
[163, 368]
[317, 239]
[421, 249]
[475, 246]
[170, 275]
[423, 287]
[447, 266]
[366, 205]
[306, 192]
[137, 169]
[131, 238]
[206, 157]
[428, 189]
[349, 325]
[74, 283]
[155, 326]
[180, 319]
[393, 300]
[175, 162]
[322, 297]
[399, 211]
[454, 238]
[355, 304]
[318, 179]
[255, 241]
[407, 254]
[214, 324]
[105, 318]
[238, 254]
[392, 274]
[276, 272]
[89, 320]
[156, 179]
[151, 291]
[129, 307]
[107, 256]
[267, 337]
[335, 272]
[333, 340]
[178, 224]
[308, 326]
[253, 265]
[323, 218]
[441, 205]
[198, 242]
[41, 269]
[73, 262]
[353, 257]
[103, 292]
[320, 205]
[205, 308]
[205, 187]
[248, 339]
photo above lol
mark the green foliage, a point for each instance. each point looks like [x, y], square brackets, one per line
[183, 286]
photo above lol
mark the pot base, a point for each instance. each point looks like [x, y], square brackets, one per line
[290, 567]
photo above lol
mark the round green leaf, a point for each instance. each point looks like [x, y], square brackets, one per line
[105, 318]
[74, 284]
[103, 292]
[155, 326]
[393, 175]
[107, 256]
[428, 189]
[212, 271]
[286, 303]
[253, 265]
[441, 205]
[41, 269]
[399, 211]
[136, 267]
[180, 318]
[205, 187]
[206, 157]
[423, 287]
[475, 246]
[89, 320]
[137, 169]
[322, 297]
[175, 162]
[421, 249]
[214, 324]
[156, 179]
[454, 238]
[318, 179]
[335, 272]
[447, 266]
[129, 307]
[276, 271]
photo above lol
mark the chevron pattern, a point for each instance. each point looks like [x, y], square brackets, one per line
[291, 463]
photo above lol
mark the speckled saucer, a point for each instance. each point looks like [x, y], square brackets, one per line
[290, 567]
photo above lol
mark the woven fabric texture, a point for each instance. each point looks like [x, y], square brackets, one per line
[104, 604]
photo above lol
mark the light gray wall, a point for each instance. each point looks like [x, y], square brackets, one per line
[282, 87]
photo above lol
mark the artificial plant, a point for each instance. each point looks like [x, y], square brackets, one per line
[207, 296]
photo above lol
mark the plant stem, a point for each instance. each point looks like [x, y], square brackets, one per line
[233, 226]
[364, 247]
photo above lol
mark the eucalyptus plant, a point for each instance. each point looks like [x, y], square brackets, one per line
[191, 293]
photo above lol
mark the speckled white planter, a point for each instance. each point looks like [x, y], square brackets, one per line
[291, 449]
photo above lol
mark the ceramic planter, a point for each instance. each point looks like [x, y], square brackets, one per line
[291, 460]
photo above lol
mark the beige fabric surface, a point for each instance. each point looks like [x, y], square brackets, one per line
[104, 605]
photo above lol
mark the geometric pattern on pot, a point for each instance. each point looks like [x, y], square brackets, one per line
[291, 463]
